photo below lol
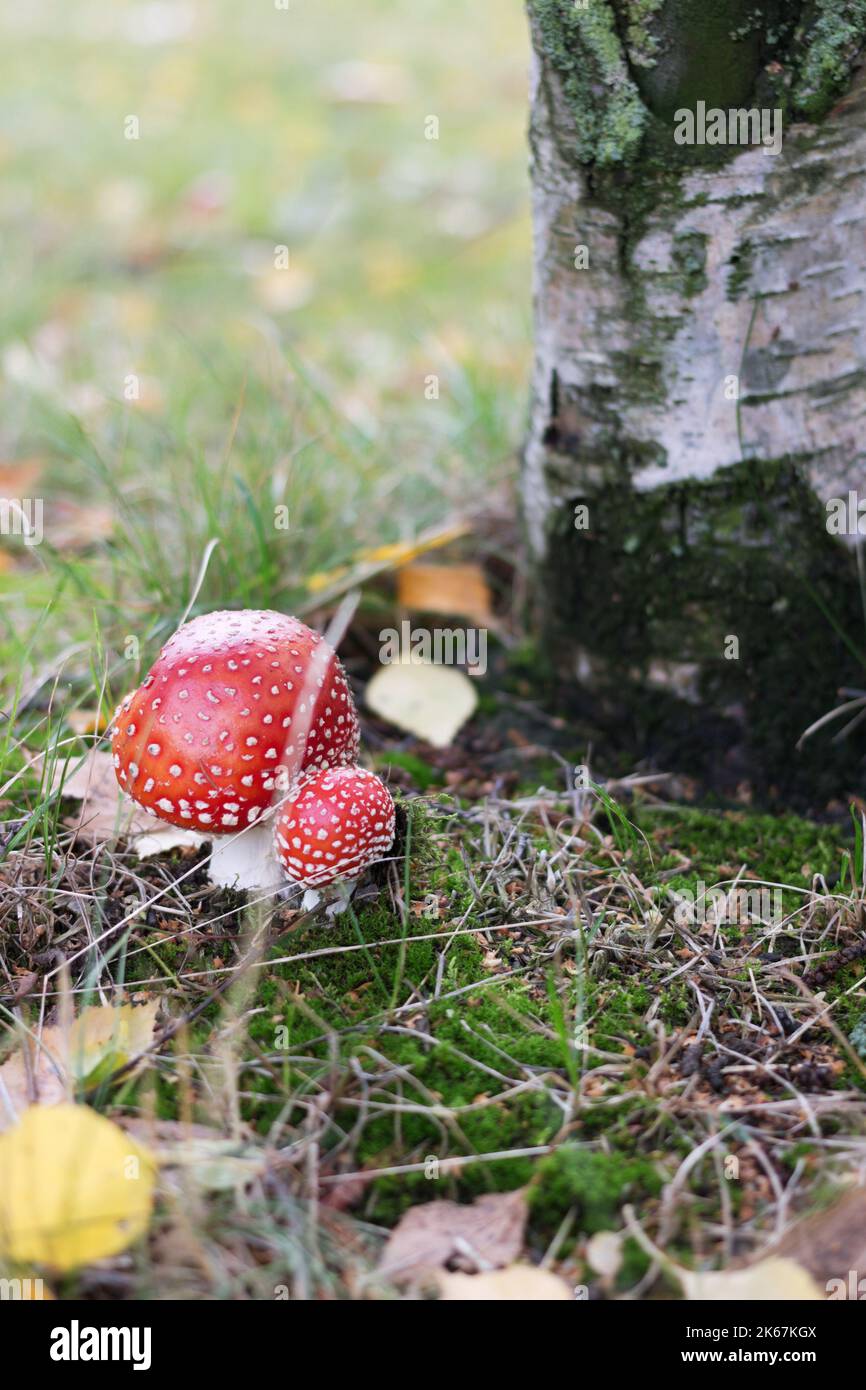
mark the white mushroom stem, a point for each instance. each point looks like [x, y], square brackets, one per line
[246, 861]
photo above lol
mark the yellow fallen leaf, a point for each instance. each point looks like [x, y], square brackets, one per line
[375, 559]
[458, 589]
[73, 1188]
[104, 1038]
[524, 1283]
[431, 702]
[322, 579]
[48, 1069]
[401, 552]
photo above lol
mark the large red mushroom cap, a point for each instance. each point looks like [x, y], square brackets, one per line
[235, 708]
[334, 824]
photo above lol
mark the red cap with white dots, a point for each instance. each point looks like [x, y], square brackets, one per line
[334, 824]
[235, 708]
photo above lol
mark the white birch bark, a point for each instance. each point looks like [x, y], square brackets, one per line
[795, 335]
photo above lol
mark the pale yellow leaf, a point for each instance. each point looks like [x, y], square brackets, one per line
[73, 1188]
[431, 702]
[523, 1283]
[604, 1253]
[768, 1279]
[402, 552]
[323, 579]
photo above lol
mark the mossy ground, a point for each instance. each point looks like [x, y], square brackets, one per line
[468, 1005]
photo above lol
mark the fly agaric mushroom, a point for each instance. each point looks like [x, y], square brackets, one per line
[334, 824]
[236, 707]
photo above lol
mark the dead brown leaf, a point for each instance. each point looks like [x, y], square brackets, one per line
[106, 813]
[73, 526]
[18, 479]
[478, 1237]
[29, 1077]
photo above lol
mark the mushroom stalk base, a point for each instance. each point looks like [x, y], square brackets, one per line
[246, 861]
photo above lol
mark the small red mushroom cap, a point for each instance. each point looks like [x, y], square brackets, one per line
[236, 706]
[334, 824]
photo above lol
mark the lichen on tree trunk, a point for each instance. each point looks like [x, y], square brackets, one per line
[700, 371]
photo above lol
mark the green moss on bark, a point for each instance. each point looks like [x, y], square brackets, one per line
[626, 67]
[584, 48]
[669, 575]
[641, 43]
[831, 37]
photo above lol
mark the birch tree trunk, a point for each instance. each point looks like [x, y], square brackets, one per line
[699, 391]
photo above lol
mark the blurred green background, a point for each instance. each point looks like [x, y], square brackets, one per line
[163, 381]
